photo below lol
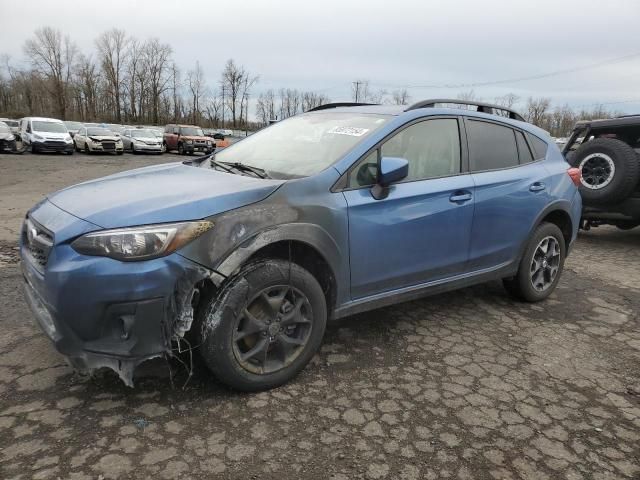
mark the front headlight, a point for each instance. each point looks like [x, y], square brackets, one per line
[68, 139]
[189, 142]
[37, 137]
[140, 243]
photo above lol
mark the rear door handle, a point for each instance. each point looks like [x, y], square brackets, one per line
[460, 196]
[536, 187]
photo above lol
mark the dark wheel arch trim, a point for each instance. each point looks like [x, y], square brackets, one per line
[309, 234]
[561, 206]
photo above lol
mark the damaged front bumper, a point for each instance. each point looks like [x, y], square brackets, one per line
[101, 312]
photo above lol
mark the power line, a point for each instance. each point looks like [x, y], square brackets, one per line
[610, 61]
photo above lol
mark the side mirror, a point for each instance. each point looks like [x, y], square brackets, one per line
[392, 169]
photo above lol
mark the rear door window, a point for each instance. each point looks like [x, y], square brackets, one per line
[491, 146]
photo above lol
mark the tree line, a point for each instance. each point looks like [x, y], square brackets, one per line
[122, 80]
[129, 80]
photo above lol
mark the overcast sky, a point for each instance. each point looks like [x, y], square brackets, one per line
[325, 45]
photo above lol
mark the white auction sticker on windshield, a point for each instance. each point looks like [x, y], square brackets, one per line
[352, 131]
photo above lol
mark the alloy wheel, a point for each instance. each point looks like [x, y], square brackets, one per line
[272, 330]
[598, 170]
[545, 263]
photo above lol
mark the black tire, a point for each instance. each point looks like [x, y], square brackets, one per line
[522, 285]
[181, 149]
[75, 146]
[602, 184]
[133, 148]
[86, 149]
[121, 152]
[227, 313]
[33, 148]
[627, 224]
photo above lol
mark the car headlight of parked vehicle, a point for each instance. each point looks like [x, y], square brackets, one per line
[68, 139]
[189, 142]
[37, 137]
[140, 243]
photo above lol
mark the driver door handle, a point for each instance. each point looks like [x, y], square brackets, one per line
[537, 187]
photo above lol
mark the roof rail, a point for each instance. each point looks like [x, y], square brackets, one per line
[482, 107]
[339, 104]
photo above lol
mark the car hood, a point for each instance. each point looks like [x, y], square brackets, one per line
[161, 193]
[6, 136]
[146, 139]
[52, 135]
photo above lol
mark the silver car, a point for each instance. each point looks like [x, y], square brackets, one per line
[141, 140]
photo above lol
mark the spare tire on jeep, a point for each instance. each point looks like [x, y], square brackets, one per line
[610, 170]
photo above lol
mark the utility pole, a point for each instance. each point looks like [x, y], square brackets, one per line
[357, 90]
[246, 115]
[223, 105]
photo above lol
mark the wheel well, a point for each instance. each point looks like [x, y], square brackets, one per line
[308, 258]
[563, 222]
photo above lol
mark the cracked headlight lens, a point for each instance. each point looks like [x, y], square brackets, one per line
[140, 243]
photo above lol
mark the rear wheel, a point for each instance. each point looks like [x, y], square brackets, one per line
[541, 265]
[264, 326]
[133, 148]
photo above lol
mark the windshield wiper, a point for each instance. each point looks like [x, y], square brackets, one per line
[258, 172]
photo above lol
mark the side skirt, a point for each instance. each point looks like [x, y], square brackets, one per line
[414, 292]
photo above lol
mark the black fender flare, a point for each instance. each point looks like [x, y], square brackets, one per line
[562, 205]
[308, 233]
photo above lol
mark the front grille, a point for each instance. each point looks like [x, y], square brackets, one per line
[37, 242]
[108, 146]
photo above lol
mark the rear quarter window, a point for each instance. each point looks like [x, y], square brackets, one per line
[539, 146]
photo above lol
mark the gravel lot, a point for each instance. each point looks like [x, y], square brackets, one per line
[465, 385]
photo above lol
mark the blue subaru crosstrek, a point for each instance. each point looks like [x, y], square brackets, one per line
[245, 255]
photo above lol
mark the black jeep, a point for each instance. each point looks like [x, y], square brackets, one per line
[607, 152]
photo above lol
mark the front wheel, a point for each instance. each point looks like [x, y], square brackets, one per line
[541, 265]
[265, 326]
[181, 149]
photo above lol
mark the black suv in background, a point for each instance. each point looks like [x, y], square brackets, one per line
[607, 152]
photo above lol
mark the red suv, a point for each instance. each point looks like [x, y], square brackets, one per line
[187, 139]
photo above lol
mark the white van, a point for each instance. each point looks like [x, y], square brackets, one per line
[45, 135]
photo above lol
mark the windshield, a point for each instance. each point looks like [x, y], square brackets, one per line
[191, 131]
[11, 123]
[115, 128]
[49, 127]
[303, 145]
[142, 134]
[99, 131]
[4, 128]
[73, 125]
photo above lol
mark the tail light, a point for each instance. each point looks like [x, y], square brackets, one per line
[575, 175]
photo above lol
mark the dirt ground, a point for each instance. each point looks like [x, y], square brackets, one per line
[468, 385]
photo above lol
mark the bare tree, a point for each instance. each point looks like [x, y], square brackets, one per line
[266, 107]
[52, 56]
[214, 109]
[401, 97]
[112, 47]
[536, 110]
[197, 86]
[508, 100]
[311, 100]
[469, 96]
[156, 69]
[236, 82]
